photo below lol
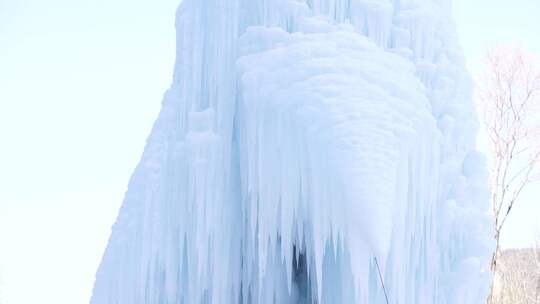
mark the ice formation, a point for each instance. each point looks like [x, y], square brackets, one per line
[303, 146]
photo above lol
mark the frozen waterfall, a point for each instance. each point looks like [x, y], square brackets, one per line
[300, 142]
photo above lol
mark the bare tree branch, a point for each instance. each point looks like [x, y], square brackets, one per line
[508, 95]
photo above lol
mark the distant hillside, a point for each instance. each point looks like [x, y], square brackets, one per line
[518, 281]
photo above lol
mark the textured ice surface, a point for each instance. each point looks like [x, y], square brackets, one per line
[299, 142]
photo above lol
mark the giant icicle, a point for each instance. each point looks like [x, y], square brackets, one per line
[300, 142]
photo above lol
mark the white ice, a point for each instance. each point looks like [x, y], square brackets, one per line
[301, 144]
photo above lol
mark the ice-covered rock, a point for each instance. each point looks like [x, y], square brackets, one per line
[303, 147]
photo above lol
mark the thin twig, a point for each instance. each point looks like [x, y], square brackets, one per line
[382, 282]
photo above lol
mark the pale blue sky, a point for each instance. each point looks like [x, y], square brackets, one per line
[80, 86]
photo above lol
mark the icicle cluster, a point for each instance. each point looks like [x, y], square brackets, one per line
[300, 141]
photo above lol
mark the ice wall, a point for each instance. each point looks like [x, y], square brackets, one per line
[300, 142]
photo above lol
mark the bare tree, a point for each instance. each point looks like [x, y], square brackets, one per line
[509, 97]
